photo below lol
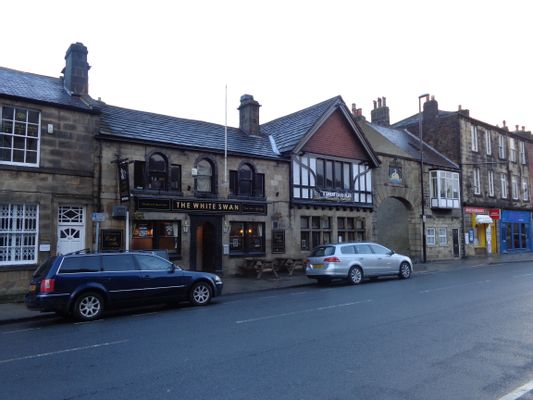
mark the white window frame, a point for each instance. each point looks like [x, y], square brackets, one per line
[512, 149]
[477, 181]
[522, 147]
[491, 183]
[444, 189]
[503, 181]
[514, 187]
[488, 142]
[525, 189]
[430, 236]
[501, 147]
[24, 138]
[474, 138]
[19, 233]
[443, 236]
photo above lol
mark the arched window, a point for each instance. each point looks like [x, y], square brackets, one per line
[247, 182]
[204, 176]
[246, 176]
[157, 172]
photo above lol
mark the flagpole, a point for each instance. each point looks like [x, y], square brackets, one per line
[226, 136]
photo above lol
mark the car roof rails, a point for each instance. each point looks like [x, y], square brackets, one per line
[82, 251]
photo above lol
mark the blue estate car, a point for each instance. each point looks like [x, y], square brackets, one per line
[83, 285]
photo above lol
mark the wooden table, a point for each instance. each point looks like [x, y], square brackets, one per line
[290, 264]
[259, 265]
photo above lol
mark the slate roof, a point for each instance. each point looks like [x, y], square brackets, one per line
[406, 142]
[40, 89]
[290, 129]
[140, 125]
[413, 119]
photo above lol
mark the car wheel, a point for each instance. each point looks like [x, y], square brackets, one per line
[405, 270]
[355, 276]
[200, 294]
[88, 306]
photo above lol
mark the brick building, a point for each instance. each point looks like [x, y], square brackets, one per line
[46, 167]
[495, 177]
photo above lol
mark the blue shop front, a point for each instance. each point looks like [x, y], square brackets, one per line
[515, 234]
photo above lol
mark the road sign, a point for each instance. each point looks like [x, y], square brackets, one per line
[98, 217]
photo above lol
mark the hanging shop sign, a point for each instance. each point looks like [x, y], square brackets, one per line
[201, 206]
[495, 213]
[123, 181]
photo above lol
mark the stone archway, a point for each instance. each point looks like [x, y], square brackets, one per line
[392, 225]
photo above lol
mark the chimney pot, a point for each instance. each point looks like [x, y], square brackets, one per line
[379, 102]
[523, 128]
[354, 109]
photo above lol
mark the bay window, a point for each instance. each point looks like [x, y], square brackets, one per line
[444, 189]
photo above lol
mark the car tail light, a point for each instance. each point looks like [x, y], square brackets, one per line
[47, 285]
[332, 259]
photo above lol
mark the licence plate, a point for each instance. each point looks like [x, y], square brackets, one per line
[32, 288]
[318, 266]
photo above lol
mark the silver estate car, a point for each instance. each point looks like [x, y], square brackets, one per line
[355, 261]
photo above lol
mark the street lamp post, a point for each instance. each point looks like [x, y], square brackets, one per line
[423, 215]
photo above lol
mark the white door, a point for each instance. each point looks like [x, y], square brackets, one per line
[70, 229]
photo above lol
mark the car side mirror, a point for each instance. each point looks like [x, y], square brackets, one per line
[391, 252]
[172, 268]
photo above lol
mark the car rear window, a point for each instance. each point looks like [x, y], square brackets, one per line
[363, 249]
[43, 269]
[323, 251]
[71, 265]
[348, 249]
[118, 262]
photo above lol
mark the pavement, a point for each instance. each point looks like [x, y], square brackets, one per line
[17, 311]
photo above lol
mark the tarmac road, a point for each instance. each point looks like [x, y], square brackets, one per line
[457, 334]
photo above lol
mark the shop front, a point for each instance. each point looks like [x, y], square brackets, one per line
[482, 234]
[515, 231]
[192, 232]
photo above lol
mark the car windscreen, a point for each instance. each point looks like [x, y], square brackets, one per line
[323, 251]
[43, 269]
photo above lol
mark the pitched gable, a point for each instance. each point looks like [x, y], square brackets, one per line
[335, 137]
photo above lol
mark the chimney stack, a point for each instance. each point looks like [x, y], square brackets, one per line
[76, 71]
[430, 110]
[249, 115]
[380, 114]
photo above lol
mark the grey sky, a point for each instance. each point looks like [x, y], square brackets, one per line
[175, 57]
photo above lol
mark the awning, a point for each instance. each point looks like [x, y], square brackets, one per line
[483, 219]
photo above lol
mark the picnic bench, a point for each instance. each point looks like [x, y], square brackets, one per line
[258, 266]
[290, 264]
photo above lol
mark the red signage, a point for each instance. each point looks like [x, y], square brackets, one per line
[495, 213]
[475, 210]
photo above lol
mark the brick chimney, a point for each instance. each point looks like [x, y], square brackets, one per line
[76, 71]
[249, 115]
[380, 114]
